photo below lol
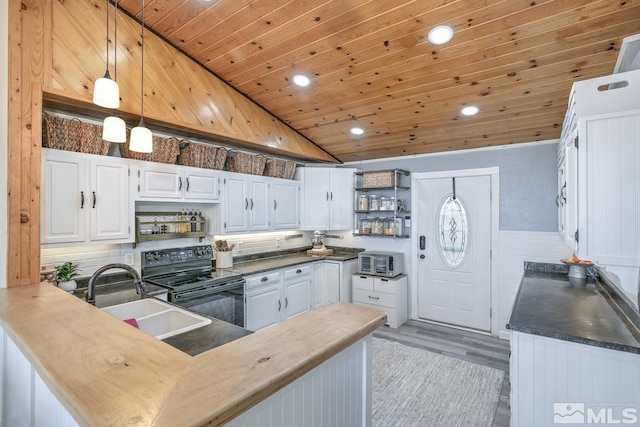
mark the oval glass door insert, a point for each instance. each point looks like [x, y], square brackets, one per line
[452, 231]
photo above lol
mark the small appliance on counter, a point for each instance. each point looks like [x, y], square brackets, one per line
[386, 264]
[317, 245]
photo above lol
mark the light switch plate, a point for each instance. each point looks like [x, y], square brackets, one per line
[128, 259]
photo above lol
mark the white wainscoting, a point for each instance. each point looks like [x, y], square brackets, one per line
[336, 393]
[516, 247]
[545, 371]
[26, 399]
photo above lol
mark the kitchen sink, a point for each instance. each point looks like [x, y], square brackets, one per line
[157, 318]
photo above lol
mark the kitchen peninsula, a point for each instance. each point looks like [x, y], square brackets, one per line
[104, 372]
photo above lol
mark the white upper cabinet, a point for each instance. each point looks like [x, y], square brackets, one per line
[327, 198]
[285, 204]
[246, 203]
[160, 182]
[84, 198]
[567, 197]
[609, 190]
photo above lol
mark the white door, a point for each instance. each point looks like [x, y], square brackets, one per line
[65, 198]
[296, 297]
[454, 268]
[158, 181]
[315, 211]
[236, 208]
[285, 205]
[341, 200]
[263, 307]
[109, 200]
[201, 185]
[258, 204]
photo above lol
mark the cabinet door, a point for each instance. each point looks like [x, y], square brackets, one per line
[160, 182]
[201, 184]
[285, 205]
[315, 212]
[341, 200]
[318, 285]
[109, 200]
[263, 307]
[258, 204]
[331, 278]
[296, 297]
[65, 198]
[236, 207]
[570, 196]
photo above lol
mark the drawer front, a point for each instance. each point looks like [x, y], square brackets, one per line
[374, 298]
[362, 282]
[391, 312]
[295, 272]
[386, 286]
[262, 279]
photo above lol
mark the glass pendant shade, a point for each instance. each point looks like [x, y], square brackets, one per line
[114, 129]
[141, 139]
[106, 92]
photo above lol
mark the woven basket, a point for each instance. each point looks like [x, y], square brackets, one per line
[202, 156]
[165, 150]
[246, 163]
[377, 179]
[277, 168]
[73, 135]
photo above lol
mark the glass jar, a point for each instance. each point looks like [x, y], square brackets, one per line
[393, 205]
[384, 204]
[398, 221]
[389, 227]
[374, 203]
[363, 203]
[365, 226]
[377, 226]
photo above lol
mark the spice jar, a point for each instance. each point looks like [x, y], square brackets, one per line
[365, 226]
[389, 227]
[377, 226]
[363, 203]
[374, 203]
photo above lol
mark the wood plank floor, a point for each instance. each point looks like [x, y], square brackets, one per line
[466, 345]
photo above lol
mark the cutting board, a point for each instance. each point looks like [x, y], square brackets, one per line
[320, 252]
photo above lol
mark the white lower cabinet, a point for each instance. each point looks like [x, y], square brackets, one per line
[556, 381]
[277, 296]
[332, 281]
[388, 294]
[85, 198]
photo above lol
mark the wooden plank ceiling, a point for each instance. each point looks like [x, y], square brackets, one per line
[372, 65]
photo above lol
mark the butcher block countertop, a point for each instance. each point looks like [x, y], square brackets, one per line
[106, 372]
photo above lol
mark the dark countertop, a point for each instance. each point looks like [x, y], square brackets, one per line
[582, 311]
[255, 265]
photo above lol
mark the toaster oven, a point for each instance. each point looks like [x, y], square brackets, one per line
[387, 264]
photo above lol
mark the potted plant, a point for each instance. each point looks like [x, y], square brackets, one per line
[65, 274]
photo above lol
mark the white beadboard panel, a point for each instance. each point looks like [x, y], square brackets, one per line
[336, 393]
[612, 156]
[544, 371]
[26, 399]
[516, 247]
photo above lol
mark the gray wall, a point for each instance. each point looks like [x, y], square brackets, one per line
[528, 180]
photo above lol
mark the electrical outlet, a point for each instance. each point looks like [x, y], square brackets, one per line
[128, 259]
[239, 246]
[277, 242]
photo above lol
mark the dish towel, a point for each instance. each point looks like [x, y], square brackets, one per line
[132, 322]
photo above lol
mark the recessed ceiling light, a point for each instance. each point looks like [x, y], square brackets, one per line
[440, 34]
[301, 80]
[469, 110]
[357, 131]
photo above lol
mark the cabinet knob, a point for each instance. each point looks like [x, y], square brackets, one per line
[264, 279]
[298, 271]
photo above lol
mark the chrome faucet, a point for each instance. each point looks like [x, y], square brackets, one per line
[141, 289]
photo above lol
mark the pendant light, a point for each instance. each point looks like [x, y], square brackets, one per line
[105, 91]
[141, 139]
[114, 128]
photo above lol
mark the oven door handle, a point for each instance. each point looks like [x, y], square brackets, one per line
[196, 293]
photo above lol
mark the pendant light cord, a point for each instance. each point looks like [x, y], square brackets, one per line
[142, 70]
[115, 43]
[106, 74]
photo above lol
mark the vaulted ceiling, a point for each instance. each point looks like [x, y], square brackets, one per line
[371, 64]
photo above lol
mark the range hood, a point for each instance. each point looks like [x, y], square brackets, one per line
[629, 56]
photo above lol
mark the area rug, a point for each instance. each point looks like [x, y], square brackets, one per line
[415, 387]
